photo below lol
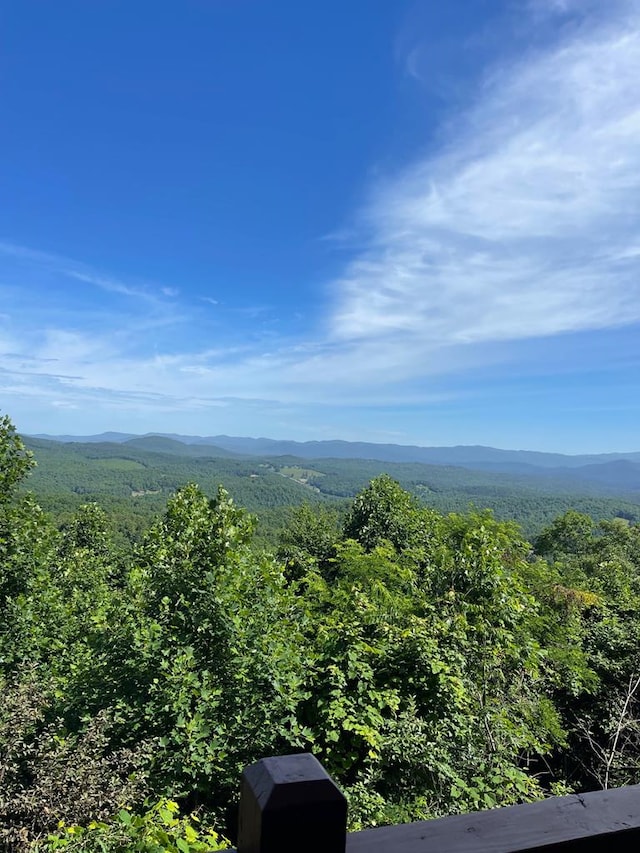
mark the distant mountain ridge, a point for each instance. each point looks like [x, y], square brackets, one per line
[175, 447]
[466, 456]
[481, 473]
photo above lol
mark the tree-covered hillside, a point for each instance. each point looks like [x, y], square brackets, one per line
[434, 663]
[135, 478]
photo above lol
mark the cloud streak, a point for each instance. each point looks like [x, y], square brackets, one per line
[523, 225]
[81, 272]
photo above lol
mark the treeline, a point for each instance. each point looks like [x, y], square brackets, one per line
[434, 663]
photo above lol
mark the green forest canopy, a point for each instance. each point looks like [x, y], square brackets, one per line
[434, 663]
[134, 479]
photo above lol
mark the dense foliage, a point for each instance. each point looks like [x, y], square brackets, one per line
[434, 663]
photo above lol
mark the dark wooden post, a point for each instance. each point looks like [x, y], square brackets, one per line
[290, 804]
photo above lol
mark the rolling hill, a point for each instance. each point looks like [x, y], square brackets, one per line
[136, 475]
[611, 472]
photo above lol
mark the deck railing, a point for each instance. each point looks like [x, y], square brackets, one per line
[290, 803]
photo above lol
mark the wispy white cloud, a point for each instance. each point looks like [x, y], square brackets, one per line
[82, 272]
[525, 223]
[109, 284]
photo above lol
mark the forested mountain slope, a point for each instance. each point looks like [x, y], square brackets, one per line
[136, 477]
[465, 455]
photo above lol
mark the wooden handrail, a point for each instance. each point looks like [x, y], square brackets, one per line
[290, 804]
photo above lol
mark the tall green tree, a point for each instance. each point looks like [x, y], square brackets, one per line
[385, 511]
[216, 651]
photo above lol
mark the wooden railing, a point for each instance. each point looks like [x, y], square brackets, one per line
[290, 803]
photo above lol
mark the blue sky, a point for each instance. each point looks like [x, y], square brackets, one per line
[361, 219]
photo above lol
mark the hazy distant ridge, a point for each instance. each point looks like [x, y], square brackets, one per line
[474, 456]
